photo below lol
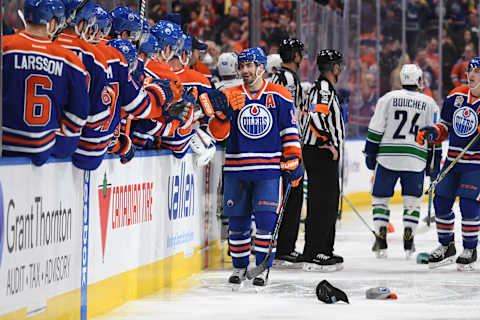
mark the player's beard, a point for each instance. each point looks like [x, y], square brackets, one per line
[248, 79]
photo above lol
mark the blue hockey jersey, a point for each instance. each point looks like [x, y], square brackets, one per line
[459, 115]
[44, 91]
[261, 133]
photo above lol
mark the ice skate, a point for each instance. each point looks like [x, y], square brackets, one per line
[442, 256]
[238, 275]
[380, 245]
[408, 244]
[466, 260]
[288, 261]
[262, 279]
[324, 263]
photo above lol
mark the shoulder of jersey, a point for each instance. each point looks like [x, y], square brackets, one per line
[278, 89]
[84, 45]
[196, 76]
[22, 41]
[111, 53]
[462, 91]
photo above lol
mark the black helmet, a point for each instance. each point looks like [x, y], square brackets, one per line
[288, 48]
[327, 58]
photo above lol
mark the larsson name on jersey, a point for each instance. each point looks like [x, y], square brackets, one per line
[410, 103]
[32, 62]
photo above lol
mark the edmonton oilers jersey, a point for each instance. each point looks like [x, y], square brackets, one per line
[261, 133]
[459, 114]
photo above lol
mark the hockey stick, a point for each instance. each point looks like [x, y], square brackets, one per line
[361, 218]
[450, 166]
[252, 273]
[430, 193]
[141, 5]
[69, 19]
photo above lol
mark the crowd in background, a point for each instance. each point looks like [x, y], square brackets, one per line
[224, 26]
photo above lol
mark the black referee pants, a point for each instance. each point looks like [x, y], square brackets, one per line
[322, 201]
[288, 234]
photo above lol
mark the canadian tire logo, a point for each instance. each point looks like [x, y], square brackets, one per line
[104, 195]
[2, 232]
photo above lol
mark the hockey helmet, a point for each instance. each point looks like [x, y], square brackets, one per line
[411, 75]
[227, 64]
[288, 48]
[473, 64]
[102, 21]
[127, 50]
[87, 14]
[256, 55]
[150, 47]
[168, 34]
[43, 11]
[326, 58]
[125, 19]
[273, 61]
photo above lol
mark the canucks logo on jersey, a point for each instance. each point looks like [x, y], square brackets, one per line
[465, 121]
[255, 121]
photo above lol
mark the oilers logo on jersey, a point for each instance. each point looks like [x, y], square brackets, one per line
[465, 121]
[254, 121]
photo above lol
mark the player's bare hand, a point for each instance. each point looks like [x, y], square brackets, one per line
[332, 149]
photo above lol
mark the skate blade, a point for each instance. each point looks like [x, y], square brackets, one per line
[466, 267]
[446, 262]
[282, 264]
[381, 254]
[237, 286]
[313, 267]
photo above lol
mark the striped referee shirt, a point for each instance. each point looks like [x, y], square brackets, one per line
[289, 79]
[326, 120]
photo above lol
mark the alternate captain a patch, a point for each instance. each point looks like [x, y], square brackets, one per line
[254, 121]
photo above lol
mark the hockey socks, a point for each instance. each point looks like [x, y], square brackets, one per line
[444, 218]
[265, 222]
[470, 222]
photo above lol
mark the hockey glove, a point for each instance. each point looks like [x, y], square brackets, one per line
[181, 110]
[432, 169]
[221, 103]
[164, 91]
[434, 134]
[371, 160]
[123, 147]
[292, 170]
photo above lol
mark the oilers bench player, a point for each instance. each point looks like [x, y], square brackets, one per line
[459, 122]
[392, 151]
[263, 139]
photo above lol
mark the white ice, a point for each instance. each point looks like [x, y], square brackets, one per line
[440, 294]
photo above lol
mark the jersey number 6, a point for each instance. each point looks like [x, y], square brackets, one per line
[38, 107]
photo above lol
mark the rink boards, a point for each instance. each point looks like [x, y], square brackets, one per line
[76, 244]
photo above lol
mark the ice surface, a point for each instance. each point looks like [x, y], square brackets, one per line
[439, 294]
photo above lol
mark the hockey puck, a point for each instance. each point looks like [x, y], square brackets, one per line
[422, 258]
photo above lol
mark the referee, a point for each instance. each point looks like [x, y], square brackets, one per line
[291, 52]
[321, 155]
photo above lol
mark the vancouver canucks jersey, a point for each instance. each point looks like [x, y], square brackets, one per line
[459, 114]
[44, 91]
[394, 126]
[261, 133]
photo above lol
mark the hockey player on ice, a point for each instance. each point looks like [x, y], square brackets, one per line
[392, 151]
[263, 144]
[458, 122]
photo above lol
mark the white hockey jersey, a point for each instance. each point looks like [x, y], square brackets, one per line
[225, 84]
[397, 118]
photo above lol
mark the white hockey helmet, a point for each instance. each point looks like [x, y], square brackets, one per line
[273, 61]
[227, 64]
[411, 75]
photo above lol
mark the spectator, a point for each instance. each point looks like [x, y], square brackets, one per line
[458, 75]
